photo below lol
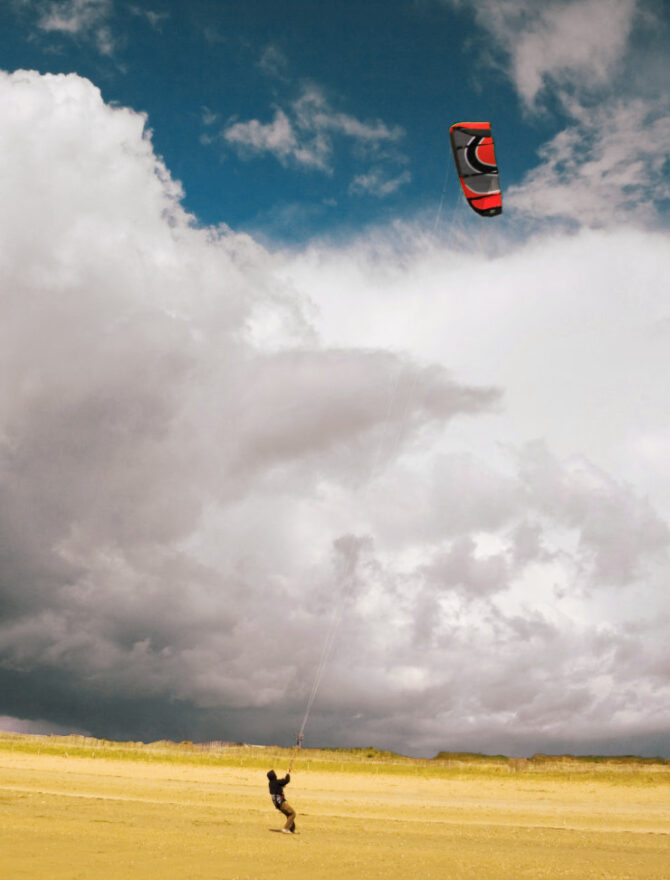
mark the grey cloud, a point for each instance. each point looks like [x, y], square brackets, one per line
[469, 494]
[188, 498]
[527, 543]
[335, 397]
[619, 533]
[37, 727]
[528, 669]
[460, 569]
[158, 467]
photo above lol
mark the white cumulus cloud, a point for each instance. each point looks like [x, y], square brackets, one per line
[306, 134]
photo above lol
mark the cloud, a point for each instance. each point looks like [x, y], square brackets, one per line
[306, 134]
[170, 425]
[273, 62]
[377, 183]
[577, 42]
[155, 19]
[36, 727]
[86, 18]
[605, 169]
[276, 137]
[617, 531]
[583, 58]
[560, 43]
[500, 567]
[209, 453]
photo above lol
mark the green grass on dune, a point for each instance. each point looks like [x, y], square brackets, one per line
[369, 760]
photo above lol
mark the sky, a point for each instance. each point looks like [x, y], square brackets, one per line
[280, 416]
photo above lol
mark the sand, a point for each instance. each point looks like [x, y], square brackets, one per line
[65, 818]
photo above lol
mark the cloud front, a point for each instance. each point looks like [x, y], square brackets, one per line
[166, 460]
[444, 463]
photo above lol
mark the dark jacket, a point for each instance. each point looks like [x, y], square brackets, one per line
[277, 788]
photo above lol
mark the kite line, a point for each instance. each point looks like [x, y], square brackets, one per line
[476, 166]
[347, 582]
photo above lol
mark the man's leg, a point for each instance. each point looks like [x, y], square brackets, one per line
[289, 812]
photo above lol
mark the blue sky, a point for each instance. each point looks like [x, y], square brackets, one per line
[267, 379]
[193, 68]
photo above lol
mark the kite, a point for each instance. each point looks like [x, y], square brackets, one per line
[475, 159]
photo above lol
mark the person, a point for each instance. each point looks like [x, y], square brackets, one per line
[280, 802]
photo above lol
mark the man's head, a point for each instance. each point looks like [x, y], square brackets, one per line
[272, 774]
